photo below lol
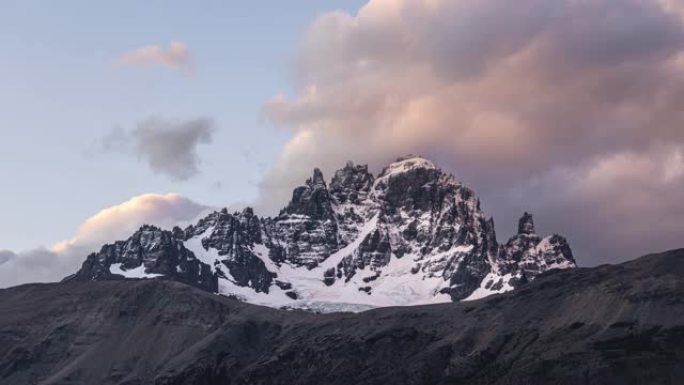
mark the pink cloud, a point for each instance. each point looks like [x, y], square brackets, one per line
[175, 56]
[110, 224]
[500, 93]
[119, 221]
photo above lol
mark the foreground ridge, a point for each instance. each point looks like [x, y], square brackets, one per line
[621, 324]
[411, 235]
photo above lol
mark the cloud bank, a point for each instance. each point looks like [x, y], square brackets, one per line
[569, 108]
[169, 147]
[113, 223]
[120, 221]
[175, 56]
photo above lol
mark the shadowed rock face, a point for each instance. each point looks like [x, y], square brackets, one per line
[609, 325]
[233, 236]
[411, 235]
[312, 199]
[157, 251]
[526, 224]
[306, 228]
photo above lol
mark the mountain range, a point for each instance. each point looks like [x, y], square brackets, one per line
[411, 235]
[145, 310]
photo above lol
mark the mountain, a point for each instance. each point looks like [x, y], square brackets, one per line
[412, 235]
[609, 325]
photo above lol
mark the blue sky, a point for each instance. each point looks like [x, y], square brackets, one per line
[61, 93]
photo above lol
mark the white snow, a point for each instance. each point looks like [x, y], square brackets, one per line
[337, 257]
[276, 298]
[412, 279]
[482, 292]
[210, 257]
[138, 272]
[396, 285]
[407, 164]
[262, 252]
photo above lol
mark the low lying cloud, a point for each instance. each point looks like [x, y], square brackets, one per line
[39, 265]
[169, 147]
[120, 221]
[506, 95]
[175, 56]
[111, 224]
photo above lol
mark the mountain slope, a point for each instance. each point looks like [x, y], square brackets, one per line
[620, 324]
[412, 235]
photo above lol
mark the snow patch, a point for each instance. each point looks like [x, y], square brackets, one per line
[138, 272]
[334, 259]
[209, 257]
[493, 278]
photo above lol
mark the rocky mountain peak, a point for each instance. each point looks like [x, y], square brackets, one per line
[312, 199]
[351, 184]
[526, 224]
[248, 212]
[406, 163]
[413, 234]
[150, 252]
[411, 183]
[527, 254]
[317, 179]
[148, 228]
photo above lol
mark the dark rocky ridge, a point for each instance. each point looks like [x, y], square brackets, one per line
[159, 251]
[610, 325]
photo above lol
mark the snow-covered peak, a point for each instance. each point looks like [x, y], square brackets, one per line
[407, 163]
[412, 235]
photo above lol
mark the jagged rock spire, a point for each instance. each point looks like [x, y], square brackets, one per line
[351, 184]
[526, 224]
[317, 178]
[312, 199]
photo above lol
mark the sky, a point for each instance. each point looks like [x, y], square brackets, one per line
[64, 89]
[117, 114]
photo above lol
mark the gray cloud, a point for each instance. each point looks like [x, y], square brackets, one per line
[39, 265]
[526, 101]
[168, 147]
